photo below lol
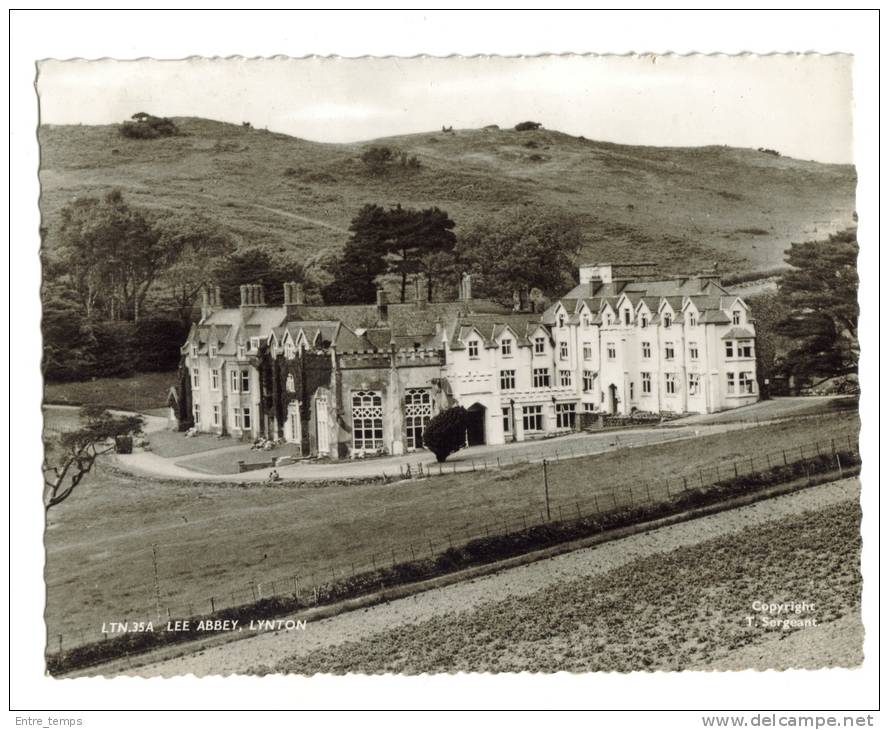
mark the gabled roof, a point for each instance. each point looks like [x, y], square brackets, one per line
[715, 317]
[738, 333]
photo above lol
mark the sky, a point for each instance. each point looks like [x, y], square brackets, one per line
[798, 104]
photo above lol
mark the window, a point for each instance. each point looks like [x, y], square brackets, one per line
[473, 349]
[745, 348]
[289, 350]
[214, 380]
[367, 419]
[589, 407]
[196, 409]
[694, 383]
[507, 420]
[608, 319]
[729, 349]
[241, 351]
[730, 383]
[246, 419]
[746, 383]
[506, 348]
[612, 351]
[646, 350]
[672, 383]
[214, 349]
[561, 320]
[646, 383]
[195, 378]
[563, 351]
[565, 415]
[586, 321]
[627, 317]
[668, 319]
[254, 343]
[692, 350]
[290, 383]
[245, 381]
[588, 377]
[736, 316]
[632, 390]
[692, 320]
[532, 418]
[539, 345]
[565, 378]
[417, 412]
[215, 415]
[507, 380]
[237, 417]
[194, 350]
[643, 321]
[235, 378]
[541, 377]
[669, 352]
[587, 351]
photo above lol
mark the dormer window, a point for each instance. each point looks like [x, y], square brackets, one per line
[214, 349]
[736, 317]
[473, 349]
[539, 345]
[254, 343]
[692, 320]
[194, 350]
[643, 321]
[627, 317]
[561, 320]
[586, 321]
[506, 348]
[668, 320]
[289, 350]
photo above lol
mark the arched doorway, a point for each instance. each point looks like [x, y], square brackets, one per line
[475, 426]
[612, 398]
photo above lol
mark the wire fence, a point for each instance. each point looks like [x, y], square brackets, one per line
[310, 587]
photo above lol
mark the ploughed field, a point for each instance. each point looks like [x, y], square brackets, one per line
[701, 606]
[216, 539]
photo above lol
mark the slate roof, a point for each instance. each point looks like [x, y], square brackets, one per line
[738, 333]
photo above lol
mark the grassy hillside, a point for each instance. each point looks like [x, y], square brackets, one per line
[686, 206]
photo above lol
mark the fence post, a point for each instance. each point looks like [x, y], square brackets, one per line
[560, 514]
[752, 469]
[60, 644]
[839, 464]
[684, 484]
[431, 550]
[498, 462]
[212, 605]
[596, 499]
[648, 491]
[735, 465]
[577, 504]
[784, 453]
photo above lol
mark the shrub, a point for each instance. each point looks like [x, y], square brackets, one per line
[146, 126]
[376, 159]
[527, 126]
[446, 432]
[123, 444]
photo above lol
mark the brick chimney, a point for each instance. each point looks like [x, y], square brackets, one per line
[465, 287]
[382, 307]
[421, 291]
[293, 297]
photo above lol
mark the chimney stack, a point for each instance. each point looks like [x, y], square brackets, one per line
[420, 286]
[382, 307]
[293, 297]
[245, 295]
[299, 296]
[465, 287]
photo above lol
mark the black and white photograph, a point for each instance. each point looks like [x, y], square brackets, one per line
[478, 364]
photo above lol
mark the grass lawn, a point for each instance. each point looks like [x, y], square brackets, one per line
[143, 392]
[670, 611]
[212, 540]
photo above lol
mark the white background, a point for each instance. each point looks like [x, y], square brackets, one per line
[169, 34]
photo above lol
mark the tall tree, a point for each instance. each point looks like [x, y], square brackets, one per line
[256, 266]
[113, 253]
[414, 236]
[821, 294]
[521, 248]
[354, 273]
[197, 242]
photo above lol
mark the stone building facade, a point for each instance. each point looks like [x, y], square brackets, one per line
[346, 381]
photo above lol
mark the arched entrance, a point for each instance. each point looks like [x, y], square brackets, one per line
[475, 426]
[612, 398]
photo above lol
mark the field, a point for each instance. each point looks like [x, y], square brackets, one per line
[672, 611]
[214, 539]
[682, 207]
[143, 392]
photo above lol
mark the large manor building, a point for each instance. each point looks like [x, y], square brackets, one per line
[346, 381]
